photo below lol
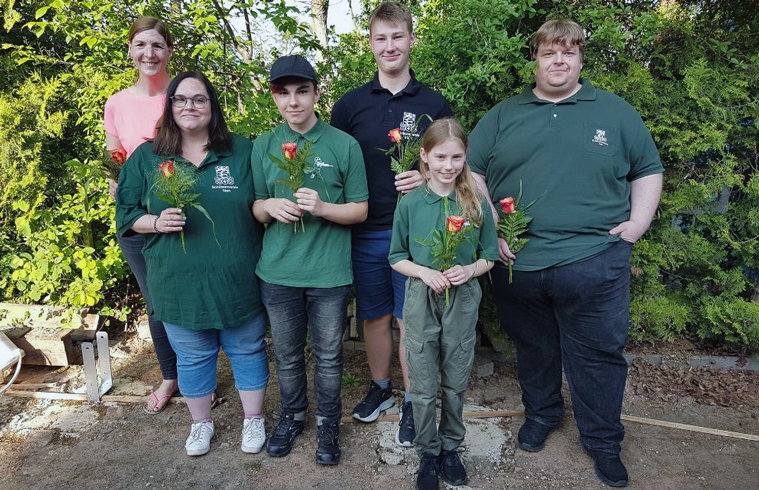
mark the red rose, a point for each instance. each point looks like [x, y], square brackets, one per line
[290, 149]
[507, 204]
[166, 168]
[454, 223]
[118, 156]
[395, 135]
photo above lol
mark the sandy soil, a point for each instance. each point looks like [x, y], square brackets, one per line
[54, 444]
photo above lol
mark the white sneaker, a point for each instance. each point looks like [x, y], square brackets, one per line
[199, 441]
[253, 435]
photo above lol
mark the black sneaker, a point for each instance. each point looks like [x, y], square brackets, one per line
[375, 402]
[452, 471]
[609, 468]
[328, 443]
[426, 479]
[281, 441]
[406, 432]
[532, 436]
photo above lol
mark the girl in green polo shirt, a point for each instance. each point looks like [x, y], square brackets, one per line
[441, 306]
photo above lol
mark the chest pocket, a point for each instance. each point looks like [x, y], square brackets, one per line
[602, 139]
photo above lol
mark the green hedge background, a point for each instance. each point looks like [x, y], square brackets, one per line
[691, 68]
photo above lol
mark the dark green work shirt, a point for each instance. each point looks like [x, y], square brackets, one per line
[320, 257]
[577, 157]
[212, 285]
[420, 213]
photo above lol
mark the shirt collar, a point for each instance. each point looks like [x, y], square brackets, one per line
[432, 197]
[312, 135]
[586, 92]
[412, 88]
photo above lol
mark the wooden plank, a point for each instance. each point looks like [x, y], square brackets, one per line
[487, 414]
[692, 428]
[81, 397]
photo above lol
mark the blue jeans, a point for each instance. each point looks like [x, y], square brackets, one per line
[198, 352]
[294, 313]
[379, 289]
[578, 315]
[131, 247]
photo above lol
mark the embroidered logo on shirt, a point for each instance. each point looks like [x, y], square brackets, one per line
[223, 176]
[600, 138]
[319, 163]
[408, 122]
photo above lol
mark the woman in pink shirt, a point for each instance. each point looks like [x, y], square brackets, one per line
[130, 119]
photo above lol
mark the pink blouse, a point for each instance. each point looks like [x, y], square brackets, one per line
[132, 118]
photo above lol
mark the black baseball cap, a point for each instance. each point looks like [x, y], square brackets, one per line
[292, 66]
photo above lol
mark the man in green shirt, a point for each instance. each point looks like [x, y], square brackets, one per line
[590, 162]
[305, 266]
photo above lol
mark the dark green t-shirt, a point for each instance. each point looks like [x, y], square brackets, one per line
[212, 285]
[420, 213]
[320, 257]
[577, 157]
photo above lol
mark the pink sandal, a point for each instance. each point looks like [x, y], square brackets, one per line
[159, 405]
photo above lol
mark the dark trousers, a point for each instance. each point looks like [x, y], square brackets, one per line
[576, 315]
[294, 314]
[131, 247]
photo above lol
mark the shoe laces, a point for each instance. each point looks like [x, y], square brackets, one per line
[254, 429]
[407, 418]
[428, 465]
[198, 431]
[328, 434]
[284, 425]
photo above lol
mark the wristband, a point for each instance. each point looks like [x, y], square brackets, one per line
[155, 225]
[475, 270]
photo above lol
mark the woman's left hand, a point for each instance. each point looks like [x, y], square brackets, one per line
[308, 200]
[458, 275]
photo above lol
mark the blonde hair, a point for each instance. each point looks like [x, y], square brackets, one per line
[468, 196]
[392, 13]
[560, 31]
[147, 23]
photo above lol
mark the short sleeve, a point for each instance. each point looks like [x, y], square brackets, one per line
[399, 243]
[258, 157]
[488, 246]
[481, 141]
[643, 155]
[445, 111]
[339, 117]
[129, 194]
[356, 189]
[109, 117]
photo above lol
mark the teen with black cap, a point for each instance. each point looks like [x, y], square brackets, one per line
[305, 267]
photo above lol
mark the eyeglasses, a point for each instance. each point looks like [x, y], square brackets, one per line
[180, 101]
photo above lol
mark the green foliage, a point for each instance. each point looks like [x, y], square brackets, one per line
[689, 67]
[59, 62]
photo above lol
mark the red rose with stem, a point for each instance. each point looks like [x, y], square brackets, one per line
[444, 243]
[405, 151]
[111, 163]
[296, 165]
[174, 184]
[513, 222]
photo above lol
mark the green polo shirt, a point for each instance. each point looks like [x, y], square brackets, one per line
[320, 257]
[420, 213]
[577, 156]
[212, 285]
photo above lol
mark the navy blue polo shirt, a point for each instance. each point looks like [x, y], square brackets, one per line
[368, 113]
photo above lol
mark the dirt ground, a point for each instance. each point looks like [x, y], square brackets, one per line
[59, 445]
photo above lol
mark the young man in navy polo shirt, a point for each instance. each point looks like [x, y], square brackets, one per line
[393, 99]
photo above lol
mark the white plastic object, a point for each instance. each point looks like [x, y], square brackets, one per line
[9, 354]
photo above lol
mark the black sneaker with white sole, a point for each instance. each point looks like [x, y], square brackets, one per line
[376, 401]
[406, 432]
